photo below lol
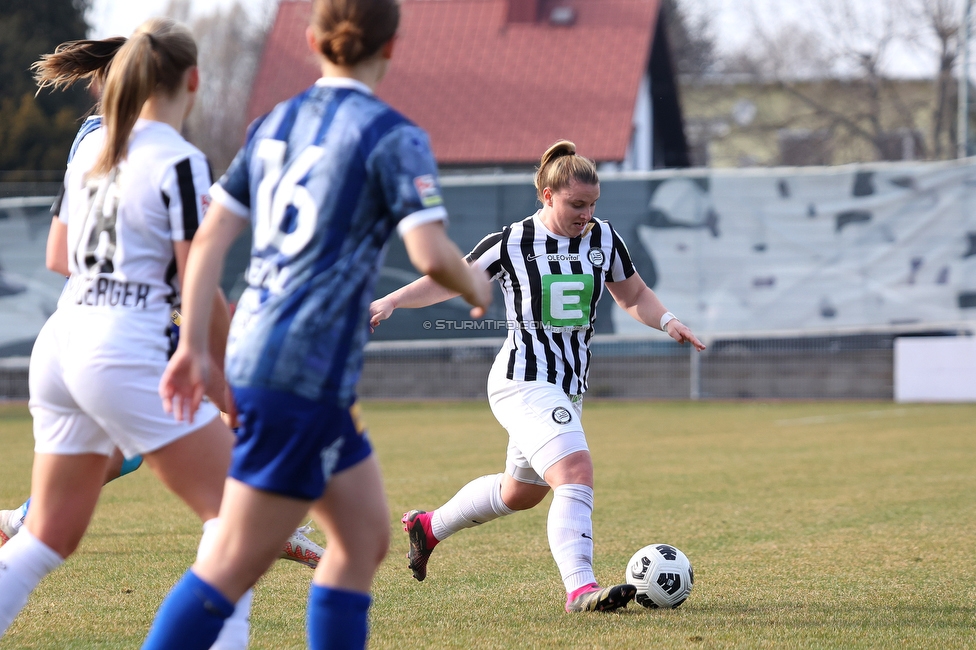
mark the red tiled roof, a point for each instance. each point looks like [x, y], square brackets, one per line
[488, 92]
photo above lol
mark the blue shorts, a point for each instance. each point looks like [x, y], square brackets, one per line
[290, 445]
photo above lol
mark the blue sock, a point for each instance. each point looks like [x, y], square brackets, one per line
[130, 465]
[190, 618]
[337, 619]
[22, 510]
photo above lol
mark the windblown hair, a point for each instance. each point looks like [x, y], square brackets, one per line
[153, 60]
[76, 60]
[560, 165]
[351, 31]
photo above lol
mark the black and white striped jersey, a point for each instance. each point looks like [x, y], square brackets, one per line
[551, 285]
[121, 226]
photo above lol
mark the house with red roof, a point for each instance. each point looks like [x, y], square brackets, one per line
[495, 82]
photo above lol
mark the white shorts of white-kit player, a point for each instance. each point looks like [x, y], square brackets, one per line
[88, 395]
[544, 424]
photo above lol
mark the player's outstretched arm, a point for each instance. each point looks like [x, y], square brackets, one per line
[640, 301]
[199, 267]
[446, 275]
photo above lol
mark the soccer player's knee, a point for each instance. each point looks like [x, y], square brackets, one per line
[524, 496]
[366, 549]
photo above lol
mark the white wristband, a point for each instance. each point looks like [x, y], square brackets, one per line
[667, 318]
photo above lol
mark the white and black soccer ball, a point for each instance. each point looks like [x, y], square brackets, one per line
[662, 574]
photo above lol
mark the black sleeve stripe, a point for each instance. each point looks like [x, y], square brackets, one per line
[621, 249]
[56, 206]
[483, 247]
[188, 196]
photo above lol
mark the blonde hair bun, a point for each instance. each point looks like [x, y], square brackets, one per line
[561, 165]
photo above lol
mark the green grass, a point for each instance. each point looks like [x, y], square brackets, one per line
[810, 525]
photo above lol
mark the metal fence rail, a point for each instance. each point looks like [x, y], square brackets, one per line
[822, 367]
[769, 366]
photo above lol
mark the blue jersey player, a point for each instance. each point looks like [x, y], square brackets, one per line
[323, 181]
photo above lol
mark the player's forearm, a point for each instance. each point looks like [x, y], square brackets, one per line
[647, 308]
[438, 258]
[219, 327]
[456, 279]
[199, 289]
[204, 267]
[216, 388]
[421, 293]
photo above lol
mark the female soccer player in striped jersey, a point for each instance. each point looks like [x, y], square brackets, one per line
[71, 63]
[323, 180]
[134, 194]
[552, 267]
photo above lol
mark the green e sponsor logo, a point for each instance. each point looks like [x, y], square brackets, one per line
[566, 300]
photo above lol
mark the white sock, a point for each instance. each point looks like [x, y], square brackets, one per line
[237, 628]
[477, 502]
[570, 529]
[24, 561]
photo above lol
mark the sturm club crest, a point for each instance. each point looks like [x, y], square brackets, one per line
[561, 416]
[596, 257]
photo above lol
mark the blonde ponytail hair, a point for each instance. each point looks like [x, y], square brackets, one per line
[152, 61]
[560, 166]
[74, 61]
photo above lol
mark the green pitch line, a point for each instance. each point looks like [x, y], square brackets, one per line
[828, 525]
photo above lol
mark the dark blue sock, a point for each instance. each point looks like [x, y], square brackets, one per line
[190, 618]
[337, 619]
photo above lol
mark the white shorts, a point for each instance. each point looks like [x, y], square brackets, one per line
[543, 423]
[87, 398]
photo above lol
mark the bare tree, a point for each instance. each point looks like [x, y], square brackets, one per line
[230, 44]
[855, 42]
[691, 39]
[943, 18]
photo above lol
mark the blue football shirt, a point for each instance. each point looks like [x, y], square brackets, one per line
[324, 178]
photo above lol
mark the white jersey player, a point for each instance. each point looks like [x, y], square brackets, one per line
[134, 196]
[552, 267]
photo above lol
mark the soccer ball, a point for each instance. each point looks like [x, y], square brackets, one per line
[662, 574]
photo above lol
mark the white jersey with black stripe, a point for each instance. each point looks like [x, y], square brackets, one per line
[552, 285]
[121, 226]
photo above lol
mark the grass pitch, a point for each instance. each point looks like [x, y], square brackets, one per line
[810, 525]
